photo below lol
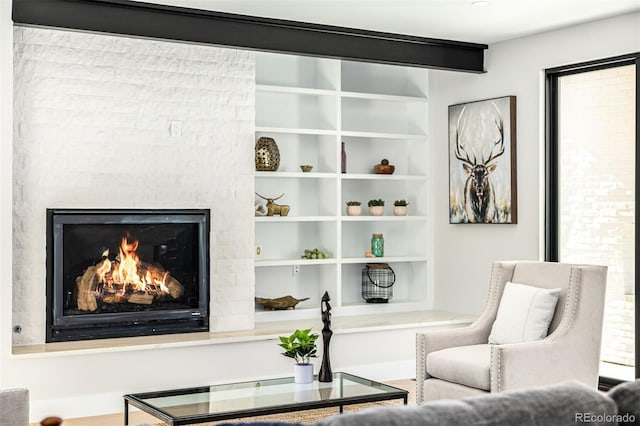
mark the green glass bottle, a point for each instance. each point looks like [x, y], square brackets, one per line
[377, 245]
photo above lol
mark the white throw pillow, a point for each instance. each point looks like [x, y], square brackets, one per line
[524, 314]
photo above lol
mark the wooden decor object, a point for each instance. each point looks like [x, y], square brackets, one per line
[280, 303]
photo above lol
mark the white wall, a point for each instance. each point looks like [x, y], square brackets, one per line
[464, 253]
[6, 147]
[91, 130]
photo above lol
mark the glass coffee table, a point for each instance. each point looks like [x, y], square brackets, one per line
[258, 398]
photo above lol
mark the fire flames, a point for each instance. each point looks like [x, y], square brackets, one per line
[128, 271]
[125, 279]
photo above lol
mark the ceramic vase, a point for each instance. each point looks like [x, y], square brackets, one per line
[354, 210]
[400, 210]
[376, 210]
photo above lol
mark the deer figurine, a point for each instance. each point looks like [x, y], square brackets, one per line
[273, 208]
[479, 195]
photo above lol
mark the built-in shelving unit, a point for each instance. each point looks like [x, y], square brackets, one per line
[310, 106]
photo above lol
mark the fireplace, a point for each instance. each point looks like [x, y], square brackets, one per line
[122, 273]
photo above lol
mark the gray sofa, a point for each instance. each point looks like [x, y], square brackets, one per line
[14, 407]
[566, 403]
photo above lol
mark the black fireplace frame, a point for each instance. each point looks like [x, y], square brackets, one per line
[61, 328]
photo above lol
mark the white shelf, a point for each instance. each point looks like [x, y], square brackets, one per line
[383, 218]
[296, 130]
[291, 262]
[310, 106]
[383, 97]
[383, 135]
[294, 90]
[373, 176]
[384, 259]
[297, 175]
[395, 305]
[272, 219]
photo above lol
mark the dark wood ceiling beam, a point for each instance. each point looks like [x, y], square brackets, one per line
[225, 29]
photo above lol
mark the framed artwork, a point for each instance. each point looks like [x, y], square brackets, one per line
[482, 161]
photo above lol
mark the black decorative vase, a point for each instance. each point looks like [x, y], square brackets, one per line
[325, 374]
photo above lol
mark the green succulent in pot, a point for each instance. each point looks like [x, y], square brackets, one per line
[400, 207]
[301, 346]
[353, 208]
[376, 207]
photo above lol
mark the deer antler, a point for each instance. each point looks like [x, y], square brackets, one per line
[461, 151]
[500, 142]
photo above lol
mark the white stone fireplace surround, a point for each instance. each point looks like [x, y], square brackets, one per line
[92, 118]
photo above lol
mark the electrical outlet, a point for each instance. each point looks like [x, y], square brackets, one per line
[175, 128]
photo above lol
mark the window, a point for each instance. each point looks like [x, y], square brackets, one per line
[591, 191]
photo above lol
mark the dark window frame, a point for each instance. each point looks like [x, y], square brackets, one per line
[552, 190]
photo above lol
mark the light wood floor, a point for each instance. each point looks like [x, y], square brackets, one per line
[138, 417]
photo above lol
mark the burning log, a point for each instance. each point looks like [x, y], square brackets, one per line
[111, 298]
[87, 285]
[141, 298]
[175, 288]
[125, 279]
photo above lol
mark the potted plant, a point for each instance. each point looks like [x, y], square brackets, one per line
[353, 208]
[301, 346]
[400, 207]
[376, 207]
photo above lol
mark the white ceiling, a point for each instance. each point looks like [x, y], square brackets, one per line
[447, 19]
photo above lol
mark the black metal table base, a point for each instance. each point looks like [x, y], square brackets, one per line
[208, 419]
[137, 400]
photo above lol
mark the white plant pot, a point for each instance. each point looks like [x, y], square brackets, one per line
[400, 210]
[354, 210]
[376, 210]
[303, 373]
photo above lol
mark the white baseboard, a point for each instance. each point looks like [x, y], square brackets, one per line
[77, 406]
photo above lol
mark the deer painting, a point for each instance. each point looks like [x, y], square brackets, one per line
[477, 154]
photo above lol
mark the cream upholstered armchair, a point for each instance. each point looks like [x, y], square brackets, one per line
[455, 363]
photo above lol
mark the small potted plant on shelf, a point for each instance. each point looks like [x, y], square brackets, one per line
[400, 207]
[301, 346]
[353, 208]
[376, 207]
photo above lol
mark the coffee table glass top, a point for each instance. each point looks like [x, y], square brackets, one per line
[256, 396]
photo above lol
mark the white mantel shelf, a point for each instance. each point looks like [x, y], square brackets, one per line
[262, 331]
